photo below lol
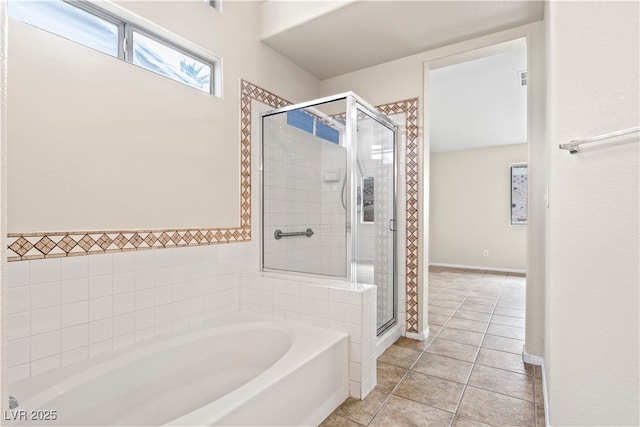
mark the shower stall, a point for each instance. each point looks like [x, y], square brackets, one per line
[329, 176]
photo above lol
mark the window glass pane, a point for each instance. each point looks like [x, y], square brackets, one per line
[169, 62]
[69, 22]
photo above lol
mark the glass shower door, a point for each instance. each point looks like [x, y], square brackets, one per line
[375, 176]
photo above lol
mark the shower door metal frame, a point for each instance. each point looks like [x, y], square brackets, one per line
[353, 104]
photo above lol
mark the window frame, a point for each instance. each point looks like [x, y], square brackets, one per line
[126, 28]
[128, 44]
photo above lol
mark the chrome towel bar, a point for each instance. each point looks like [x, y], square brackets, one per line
[572, 146]
[278, 234]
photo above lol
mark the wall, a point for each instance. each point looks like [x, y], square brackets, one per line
[141, 128]
[66, 309]
[470, 199]
[406, 78]
[592, 301]
[3, 205]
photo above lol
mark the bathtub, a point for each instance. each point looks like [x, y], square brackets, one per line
[241, 369]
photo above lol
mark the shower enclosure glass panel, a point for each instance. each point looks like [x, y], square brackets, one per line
[328, 194]
[304, 161]
[375, 239]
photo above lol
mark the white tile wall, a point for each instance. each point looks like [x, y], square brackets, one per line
[64, 310]
[326, 304]
[297, 198]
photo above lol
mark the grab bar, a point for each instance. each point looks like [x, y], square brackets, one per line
[278, 234]
[572, 146]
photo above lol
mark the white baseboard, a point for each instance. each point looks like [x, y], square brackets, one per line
[539, 361]
[532, 360]
[477, 267]
[420, 336]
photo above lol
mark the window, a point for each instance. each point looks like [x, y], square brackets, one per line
[519, 178]
[86, 24]
[160, 58]
[313, 125]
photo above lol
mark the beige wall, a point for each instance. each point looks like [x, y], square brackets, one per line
[99, 144]
[469, 209]
[3, 207]
[592, 301]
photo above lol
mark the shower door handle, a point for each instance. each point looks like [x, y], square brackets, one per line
[392, 225]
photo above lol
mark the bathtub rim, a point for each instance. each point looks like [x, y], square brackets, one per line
[43, 387]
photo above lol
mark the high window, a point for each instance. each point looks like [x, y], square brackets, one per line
[93, 27]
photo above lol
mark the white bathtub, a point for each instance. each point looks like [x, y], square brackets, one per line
[243, 369]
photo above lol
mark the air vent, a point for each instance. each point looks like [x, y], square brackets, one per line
[522, 76]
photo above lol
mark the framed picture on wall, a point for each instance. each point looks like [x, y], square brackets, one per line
[519, 178]
[368, 208]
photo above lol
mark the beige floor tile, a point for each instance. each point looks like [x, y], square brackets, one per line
[432, 391]
[539, 393]
[398, 411]
[440, 302]
[412, 344]
[442, 311]
[461, 336]
[503, 344]
[540, 416]
[461, 421]
[434, 330]
[480, 308]
[502, 311]
[485, 293]
[514, 304]
[508, 321]
[481, 300]
[496, 409]
[453, 349]
[503, 360]
[399, 356]
[454, 295]
[362, 411]
[467, 325]
[388, 376]
[443, 367]
[334, 420]
[436, 319]
[462, 286]
[503, 382]
[537, 371]
[506, 331]
[472, 315]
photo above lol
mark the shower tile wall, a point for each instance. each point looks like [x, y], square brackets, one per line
[297, 196]
[64, 310]
[334, 221]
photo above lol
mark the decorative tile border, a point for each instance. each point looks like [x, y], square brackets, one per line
[248, 92]
[27, 246]
[410, 108]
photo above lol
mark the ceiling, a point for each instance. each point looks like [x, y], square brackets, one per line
[351, 35]
[479, 103]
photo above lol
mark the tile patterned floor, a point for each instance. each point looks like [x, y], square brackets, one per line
[470, 370]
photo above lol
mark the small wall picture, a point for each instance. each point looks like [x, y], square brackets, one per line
[367, 199]
[519, 177]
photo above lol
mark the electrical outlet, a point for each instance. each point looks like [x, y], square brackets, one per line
[485, 253]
